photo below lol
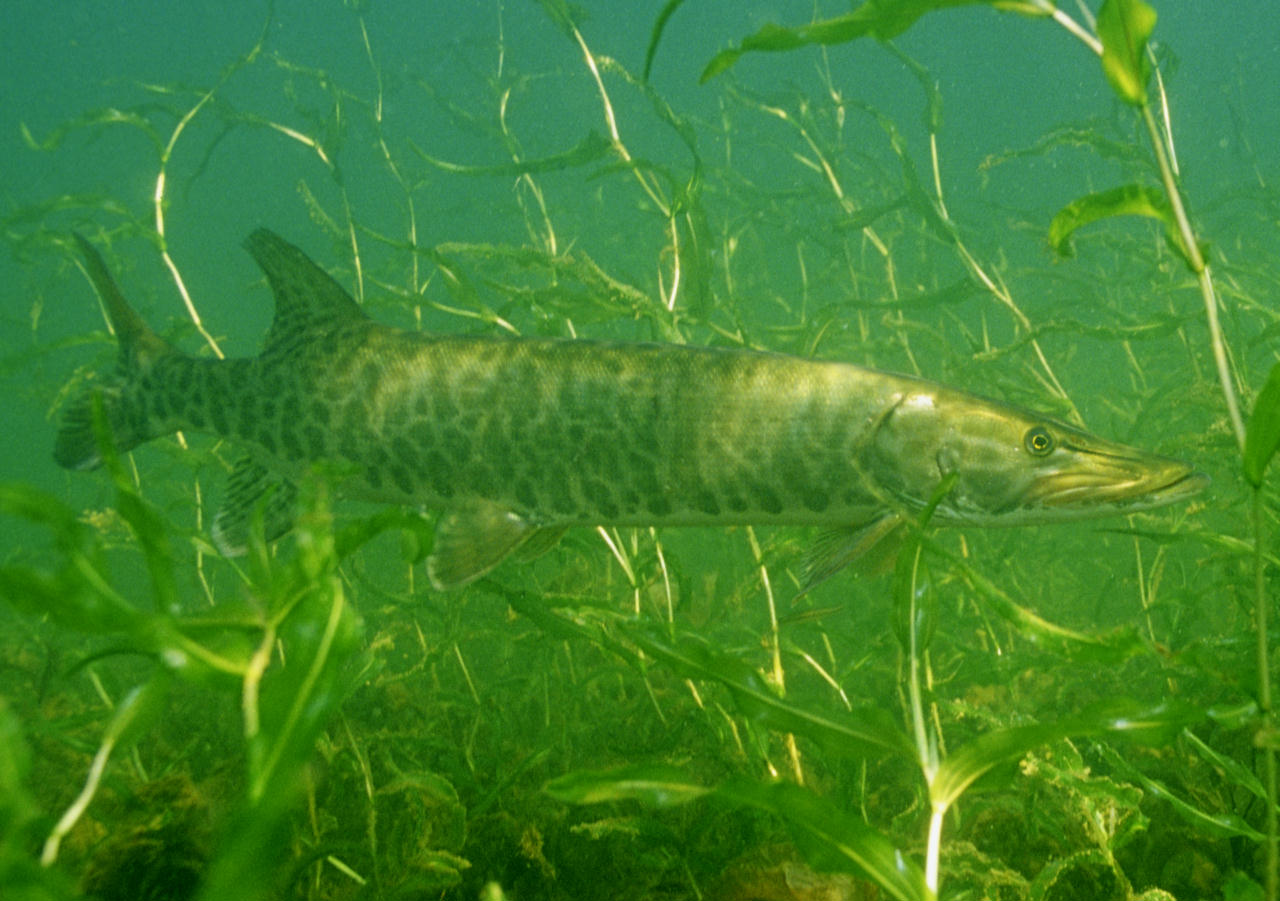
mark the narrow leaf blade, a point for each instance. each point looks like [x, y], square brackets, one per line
[651, 784]
[873, 18]
[831, 838]
[1124, 26]
[1127, 200]
[1262, 437]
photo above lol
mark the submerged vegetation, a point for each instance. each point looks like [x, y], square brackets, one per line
[641, 714]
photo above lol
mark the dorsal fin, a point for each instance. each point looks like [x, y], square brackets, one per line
[307, 297]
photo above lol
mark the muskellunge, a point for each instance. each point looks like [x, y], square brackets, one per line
[515, 439]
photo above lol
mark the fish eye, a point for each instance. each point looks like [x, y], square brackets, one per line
[1038, 441]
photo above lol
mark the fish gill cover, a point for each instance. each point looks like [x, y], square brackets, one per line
[1068, 209]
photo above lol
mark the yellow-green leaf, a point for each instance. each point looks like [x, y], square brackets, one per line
[1262, 437]
[1127, 200]
[654, 784]
[1124, 26]
[881, 19]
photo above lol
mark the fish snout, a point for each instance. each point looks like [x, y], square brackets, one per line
[1101, 483]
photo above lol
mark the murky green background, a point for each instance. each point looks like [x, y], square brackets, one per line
[408, 123]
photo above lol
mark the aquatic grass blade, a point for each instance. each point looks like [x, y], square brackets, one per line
[133, 715]
[15, 763]
[21, 875]
[1124, 26]
[659, 26]
[968, 764]
[593, 148]
[653, 784]
[866, 21]
[1114, 647]
[856, 732]
[93, 120]
[148, 528]
[1262, 437]
[830, 838]
[322, 663]
[559, 12]
[76, 593]
[1219, 825]
[915, 602]
[1127, 200]
[323, 637]
[880, 19]
[1236, 772]
[139, 709]
[415, 530]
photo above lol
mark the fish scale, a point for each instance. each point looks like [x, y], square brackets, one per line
[515, 439]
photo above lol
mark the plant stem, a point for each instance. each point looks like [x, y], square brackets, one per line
[73, 813]
[925, 747]
[1267, 724]
[1196, 261]
[934, 852]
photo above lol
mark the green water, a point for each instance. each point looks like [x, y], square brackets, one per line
[317, 723]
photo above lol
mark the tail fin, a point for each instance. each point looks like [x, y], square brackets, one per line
[123, 407]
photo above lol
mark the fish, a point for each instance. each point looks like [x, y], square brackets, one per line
[513, 440]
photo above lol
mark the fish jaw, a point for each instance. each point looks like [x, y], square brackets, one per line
[1090, 482]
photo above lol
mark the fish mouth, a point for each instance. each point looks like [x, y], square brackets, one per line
[1140, 485]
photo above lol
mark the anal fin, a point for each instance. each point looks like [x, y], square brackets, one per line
[253, 491]
[473, 538]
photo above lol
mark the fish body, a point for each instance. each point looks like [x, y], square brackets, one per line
[515, 438]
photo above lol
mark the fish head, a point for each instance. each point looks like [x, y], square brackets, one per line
[1010, 466]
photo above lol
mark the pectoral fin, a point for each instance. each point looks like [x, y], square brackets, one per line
[874, 545]
[540, 541]
[253, 490]
[472, 539]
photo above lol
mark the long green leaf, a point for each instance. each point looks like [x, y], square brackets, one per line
[138, 710]
[659, 25]
[145, 523]
[76, 593]
[1124, 26]
[865, 729]
[1218, 825]
[831, 838]
[1262, 437]
[652, 784]
[968, 764]
[94, 119]
[592, 148]
[23, 823]
[321, 635]
[560, 13]
[880, 19]
[1112, 647]
[1127, 200]
[1239, 774]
